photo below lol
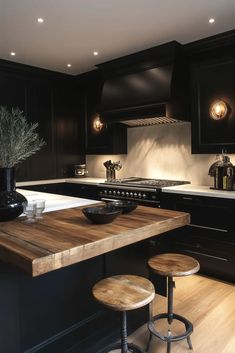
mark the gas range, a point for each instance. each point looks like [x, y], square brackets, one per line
[143, 190]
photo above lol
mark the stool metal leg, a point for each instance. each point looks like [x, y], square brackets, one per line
[124, 343]
[170, 316]
[150, 333]
[171, 285]
[189, 342]
[168, 349]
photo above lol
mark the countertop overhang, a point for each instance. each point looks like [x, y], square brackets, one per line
[197, 190]
[65, 237]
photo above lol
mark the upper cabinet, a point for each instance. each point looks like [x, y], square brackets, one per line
[68, 103]
[213, 124]
[40, 110]
[213, 94]
[101, 138]
[52, 100]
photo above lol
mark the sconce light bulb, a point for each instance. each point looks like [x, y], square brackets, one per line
[97, 124]
[218, 110]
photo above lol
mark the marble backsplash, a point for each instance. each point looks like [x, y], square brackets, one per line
[162, 152]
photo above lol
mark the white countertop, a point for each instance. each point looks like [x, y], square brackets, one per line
[56, 202]
[86, 180]
[198, 190]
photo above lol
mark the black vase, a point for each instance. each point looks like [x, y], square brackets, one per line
[11, 202]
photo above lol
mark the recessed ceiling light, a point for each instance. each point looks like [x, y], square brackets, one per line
[69, 65]
[95, 53]
[211, 20]
[40, 20]
[13, 53]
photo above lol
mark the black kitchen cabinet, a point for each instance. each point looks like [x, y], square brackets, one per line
[40, 109]
[69, 122]
[54, 101]
[210, 237]
[213, 81]
[13, 94]
[110, 139]
[56, 188]
[85, 191]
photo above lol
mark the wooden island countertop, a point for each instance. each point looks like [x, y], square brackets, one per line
[65, 237]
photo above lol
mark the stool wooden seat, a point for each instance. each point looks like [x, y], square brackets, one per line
[171, 265]
[174, 265]
[123, 293]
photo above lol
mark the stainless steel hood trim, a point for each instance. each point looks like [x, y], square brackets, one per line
[150, 121]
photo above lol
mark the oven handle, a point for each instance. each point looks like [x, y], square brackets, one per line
[154, 203]
[106, 199]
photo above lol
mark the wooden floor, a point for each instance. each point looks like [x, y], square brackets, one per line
[210, 305]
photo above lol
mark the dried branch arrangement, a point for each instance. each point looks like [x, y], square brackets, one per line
[18, 138]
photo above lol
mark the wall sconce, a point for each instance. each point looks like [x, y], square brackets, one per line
[218, 110]
[97, 123]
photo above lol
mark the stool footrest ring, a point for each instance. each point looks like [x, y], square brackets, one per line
[187, 323]
[132, 348]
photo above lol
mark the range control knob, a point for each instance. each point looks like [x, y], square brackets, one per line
[139, 195]
[135, 195]
[123, 193]
[114, 192]
[118, 193]
[144, 196]
[105, 192]
[110, 192]
[127, 194]
[131, 194]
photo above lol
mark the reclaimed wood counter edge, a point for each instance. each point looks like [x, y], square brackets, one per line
[42, 263]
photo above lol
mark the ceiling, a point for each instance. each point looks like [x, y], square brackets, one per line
[73, 29]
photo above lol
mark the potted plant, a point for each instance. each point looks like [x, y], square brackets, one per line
[18, 141]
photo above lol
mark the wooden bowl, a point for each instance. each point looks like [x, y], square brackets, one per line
[101, 214]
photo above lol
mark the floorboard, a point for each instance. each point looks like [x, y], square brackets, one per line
[210, 305]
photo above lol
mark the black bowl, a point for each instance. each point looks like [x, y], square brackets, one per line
[101, 214]
[125, 206]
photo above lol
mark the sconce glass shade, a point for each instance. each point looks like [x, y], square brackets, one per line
[97, 124]
[218, 110]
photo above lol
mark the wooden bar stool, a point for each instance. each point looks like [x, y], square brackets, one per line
[123, 293]
[172, 265]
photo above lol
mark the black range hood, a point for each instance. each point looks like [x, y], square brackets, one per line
[146, 88]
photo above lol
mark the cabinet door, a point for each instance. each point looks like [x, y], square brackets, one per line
[42, 165]
[210, 237]
[82, 190]
[70, 137]
[111, 139]
[213, 81]
[13, 95]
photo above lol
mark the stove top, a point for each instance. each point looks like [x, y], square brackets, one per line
[146, 182]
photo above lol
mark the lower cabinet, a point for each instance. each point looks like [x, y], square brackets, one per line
[210, 237]
[85, 191]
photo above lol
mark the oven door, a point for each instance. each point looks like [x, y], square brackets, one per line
[143, 196]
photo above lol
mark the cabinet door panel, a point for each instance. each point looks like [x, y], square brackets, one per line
[213, 81]
[69, 122]
[210, 237]
[13, 95]
[111, 139]
[42, 165]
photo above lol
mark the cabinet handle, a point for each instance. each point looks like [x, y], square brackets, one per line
[152, 242]
[187, 198]
[206, 255]
[209, 228]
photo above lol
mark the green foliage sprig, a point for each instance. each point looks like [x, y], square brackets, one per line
[18, 138]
